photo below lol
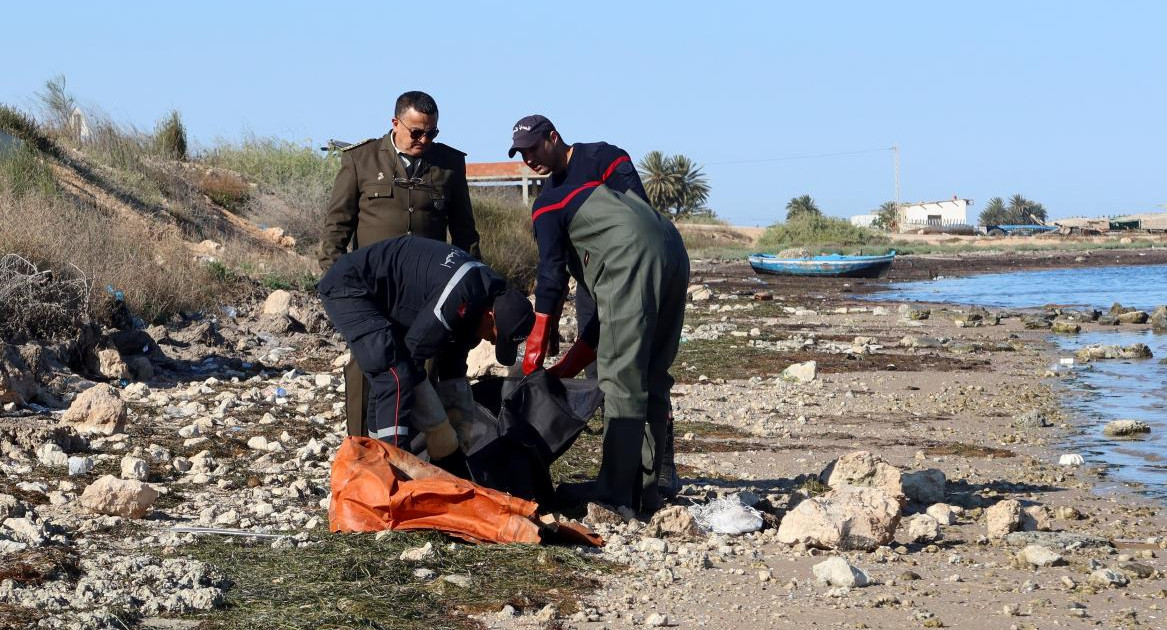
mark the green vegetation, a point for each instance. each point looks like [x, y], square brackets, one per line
[810, 230]
[357, 581]
[23, 171]
[1019, 211]
[802, 206]
[675, 185]
[508, 243]
[170, 137]
[887, 217]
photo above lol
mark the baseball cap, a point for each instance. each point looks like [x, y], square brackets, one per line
[513, 320]
[529, 131]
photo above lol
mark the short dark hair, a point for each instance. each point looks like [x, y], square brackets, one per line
[420, 101]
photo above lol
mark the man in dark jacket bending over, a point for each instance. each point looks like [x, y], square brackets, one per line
[403, 301]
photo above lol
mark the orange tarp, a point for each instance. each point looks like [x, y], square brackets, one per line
[376, 486]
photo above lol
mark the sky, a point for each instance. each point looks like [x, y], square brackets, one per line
[1063, 102]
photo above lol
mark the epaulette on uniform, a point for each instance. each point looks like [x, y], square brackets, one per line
[357, 144]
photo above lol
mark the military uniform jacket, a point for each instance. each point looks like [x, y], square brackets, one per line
[374, 199]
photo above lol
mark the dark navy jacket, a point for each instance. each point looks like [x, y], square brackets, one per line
[433, 294]
[592, 164]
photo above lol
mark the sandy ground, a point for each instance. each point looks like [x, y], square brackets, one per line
[957, 418]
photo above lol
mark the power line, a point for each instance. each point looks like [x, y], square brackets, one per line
[800, 157]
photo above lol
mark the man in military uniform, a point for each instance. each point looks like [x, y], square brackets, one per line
[403, 183]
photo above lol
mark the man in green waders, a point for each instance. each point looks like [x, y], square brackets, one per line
[592, 220]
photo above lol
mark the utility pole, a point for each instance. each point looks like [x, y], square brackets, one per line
[896, 158]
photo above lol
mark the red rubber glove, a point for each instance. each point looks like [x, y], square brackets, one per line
[578, 357]
[537, 342]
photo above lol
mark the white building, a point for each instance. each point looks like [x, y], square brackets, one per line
[863, 220]
[948, 212]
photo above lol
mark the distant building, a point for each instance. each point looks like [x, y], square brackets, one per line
[505, 174]
[863, 220]
[937, 213]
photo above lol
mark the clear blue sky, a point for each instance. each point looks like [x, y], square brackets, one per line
[1063, 102]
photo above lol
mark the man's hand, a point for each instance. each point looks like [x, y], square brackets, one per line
[538, 342]
[578, 357]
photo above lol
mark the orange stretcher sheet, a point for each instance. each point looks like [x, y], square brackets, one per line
[376, 486]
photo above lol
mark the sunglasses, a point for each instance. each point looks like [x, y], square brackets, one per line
[416, 134]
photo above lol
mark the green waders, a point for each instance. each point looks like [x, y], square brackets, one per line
[636, 267]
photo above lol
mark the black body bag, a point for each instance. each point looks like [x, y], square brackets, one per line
[524, 425]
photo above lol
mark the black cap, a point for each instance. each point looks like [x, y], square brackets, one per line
[528, 132]
[513, 320]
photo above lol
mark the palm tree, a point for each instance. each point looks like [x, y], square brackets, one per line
[1021, 209]
[802, 206]
[995, 212]
[660, 183]
[888, 216]
[674, 184]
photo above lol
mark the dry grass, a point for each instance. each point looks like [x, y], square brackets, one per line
[154, 271]
[508, 242]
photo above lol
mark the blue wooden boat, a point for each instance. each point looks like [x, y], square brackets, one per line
[831, 265]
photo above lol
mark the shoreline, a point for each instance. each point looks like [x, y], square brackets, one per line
[959, 419]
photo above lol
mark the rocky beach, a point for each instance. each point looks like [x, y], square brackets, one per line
[847, 464]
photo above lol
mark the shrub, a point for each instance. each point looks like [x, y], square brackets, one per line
[508, 243]
[38, 304]
[170, 137]
[24, 171]
[298, 177]
[810, 229]
[226, 189]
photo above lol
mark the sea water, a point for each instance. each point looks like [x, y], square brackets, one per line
[1102, 390]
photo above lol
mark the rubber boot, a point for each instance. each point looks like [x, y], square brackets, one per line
[621, 475]
[652, 449]
[669, 482]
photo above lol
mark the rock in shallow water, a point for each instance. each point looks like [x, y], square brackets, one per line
[1125, 428]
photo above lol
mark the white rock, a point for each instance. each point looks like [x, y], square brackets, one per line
[845, 518]
[97, 410]
[1003, 517]
[257, 443]
[181, 464]
[801, 372]
[80, 465]
[278, 303]
[325, 380]
[836, 571]
[862, 469]
[118, 497]
[462, 581]
[942, 512]
[1125, 428]
[1039, 556]
[923, 528]
[418, 554]
[925, 486]
[1108, 578]
[135, 468]
[50, 454]
[656, 620]
[1071, 459]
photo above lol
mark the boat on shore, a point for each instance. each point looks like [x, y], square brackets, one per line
[829, 265]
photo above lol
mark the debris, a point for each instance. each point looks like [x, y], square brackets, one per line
[727, 515]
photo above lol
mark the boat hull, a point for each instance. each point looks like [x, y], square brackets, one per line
[824, 266]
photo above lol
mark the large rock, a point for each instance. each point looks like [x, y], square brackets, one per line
[118, 497]
[838, 572]
[674, 521]
[96, 410]
[846, 518]
[861, 468]
[17, 382]
[801, 372]
[1125, 428]
[923, 528]
[1159, 319]
[1039, 556]
[278, 302]
[1133, 317]
[1098, 351]
[1002, 518]
[924, 486]
[110, 365]
[699, 293]
[481, 362]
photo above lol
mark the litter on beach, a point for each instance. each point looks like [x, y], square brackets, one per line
[727, 515]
